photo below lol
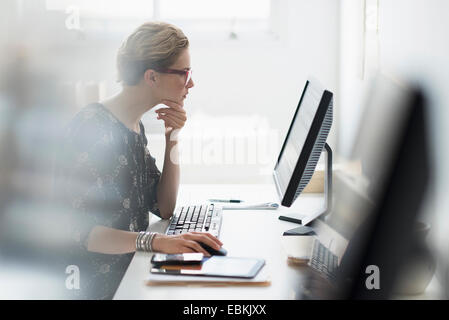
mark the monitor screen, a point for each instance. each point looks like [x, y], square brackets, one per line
[300, 127]
[304, 142]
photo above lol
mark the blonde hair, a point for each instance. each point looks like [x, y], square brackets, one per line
[153, 45]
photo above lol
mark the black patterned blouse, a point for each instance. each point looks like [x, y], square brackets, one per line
[108, 178]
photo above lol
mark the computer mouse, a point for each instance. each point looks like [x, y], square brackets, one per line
[221, 252]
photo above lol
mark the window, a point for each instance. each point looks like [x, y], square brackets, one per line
[105, 9]
[204, 21]
[215, 9]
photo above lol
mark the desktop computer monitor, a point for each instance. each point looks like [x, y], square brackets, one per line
[396, 161]
[301, 150]
[379, 221]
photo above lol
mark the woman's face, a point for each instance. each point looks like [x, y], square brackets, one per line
[173, 86]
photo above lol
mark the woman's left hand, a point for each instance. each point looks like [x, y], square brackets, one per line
[174, 116]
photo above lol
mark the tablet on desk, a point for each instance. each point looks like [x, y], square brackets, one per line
[216, 266]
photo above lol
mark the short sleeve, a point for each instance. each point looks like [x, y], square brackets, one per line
[104, 177]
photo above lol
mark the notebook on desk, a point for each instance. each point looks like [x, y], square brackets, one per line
[262, 279]
[214, 270]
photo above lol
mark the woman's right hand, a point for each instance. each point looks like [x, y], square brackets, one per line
[185, 243]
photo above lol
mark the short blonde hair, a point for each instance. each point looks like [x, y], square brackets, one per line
[153, 45]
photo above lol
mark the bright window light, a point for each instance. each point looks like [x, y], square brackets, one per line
[214, 9]
[105, 8]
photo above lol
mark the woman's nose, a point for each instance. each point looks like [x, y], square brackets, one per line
[190, 84]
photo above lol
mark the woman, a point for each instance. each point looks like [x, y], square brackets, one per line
[111, 181]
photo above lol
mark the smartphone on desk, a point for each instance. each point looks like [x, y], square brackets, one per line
[164, 259]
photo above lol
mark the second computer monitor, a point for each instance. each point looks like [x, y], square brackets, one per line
[302, 147]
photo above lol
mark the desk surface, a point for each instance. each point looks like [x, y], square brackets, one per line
[244, 233]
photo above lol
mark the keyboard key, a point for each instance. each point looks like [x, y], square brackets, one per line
[189, 215]
[202, 211]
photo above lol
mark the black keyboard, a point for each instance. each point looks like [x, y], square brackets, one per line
[323, 260]
[199, 218]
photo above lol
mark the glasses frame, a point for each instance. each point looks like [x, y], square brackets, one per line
[187, 73]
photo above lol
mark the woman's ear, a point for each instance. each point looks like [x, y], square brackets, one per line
[150, 76]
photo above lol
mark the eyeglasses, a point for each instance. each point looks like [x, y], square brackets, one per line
[186, 73]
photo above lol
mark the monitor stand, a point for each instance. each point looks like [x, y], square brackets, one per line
[303, 219]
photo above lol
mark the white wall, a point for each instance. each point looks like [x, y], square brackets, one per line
[263, 79]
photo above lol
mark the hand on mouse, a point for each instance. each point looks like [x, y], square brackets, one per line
[185, 243]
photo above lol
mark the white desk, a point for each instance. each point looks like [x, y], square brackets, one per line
[245, 233]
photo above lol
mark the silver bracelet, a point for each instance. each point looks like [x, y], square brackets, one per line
[139, 241]
[150, 241]
[139, 236]
[144, 241]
